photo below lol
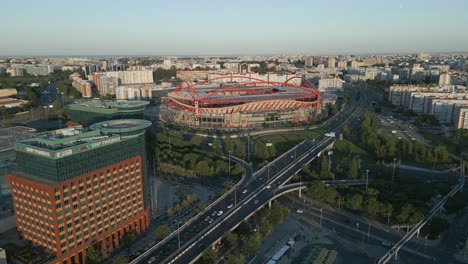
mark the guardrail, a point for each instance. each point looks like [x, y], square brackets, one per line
[150, 250]
[249, 198]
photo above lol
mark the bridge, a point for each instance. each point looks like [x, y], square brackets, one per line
[393, 252]
[253, 192]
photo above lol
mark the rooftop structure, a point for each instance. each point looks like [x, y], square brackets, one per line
[91, 111]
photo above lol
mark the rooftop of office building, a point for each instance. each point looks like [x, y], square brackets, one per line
[67, 141]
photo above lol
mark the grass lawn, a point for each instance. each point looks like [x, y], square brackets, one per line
[282, 143]
[344, 147]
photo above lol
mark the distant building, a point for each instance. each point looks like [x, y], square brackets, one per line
[8, 92]
[88, 112]
[309, 61]
[330, 84]
[83, 86]
[417, 73]
[331, 63]
[342, 64]
[131, 77]
[247, 67]
[10, 102]
[15, 71]
[444, 78]
[91, 68]
[461, 118]
[39, 70]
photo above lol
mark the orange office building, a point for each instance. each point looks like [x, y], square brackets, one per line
[74, 188]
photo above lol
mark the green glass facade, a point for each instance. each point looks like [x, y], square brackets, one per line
[88, 112]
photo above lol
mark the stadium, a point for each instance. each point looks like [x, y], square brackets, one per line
[243, 102]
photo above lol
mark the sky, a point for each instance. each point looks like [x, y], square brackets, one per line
[241, 27]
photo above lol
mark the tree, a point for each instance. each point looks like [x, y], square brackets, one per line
[92, 255]
[209, 256]
[346, 131]
[128, 239]
[240, 150]
[229, 144]
[252, 245]
[231, 259]
[353, 170]
[162, 232]
[56, 105]
[244, 228]
[265, 229]
[120, 260]
[229, 239]
[217, 144]
[355, 202]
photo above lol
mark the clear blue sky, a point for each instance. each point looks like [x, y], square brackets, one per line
[218, 27]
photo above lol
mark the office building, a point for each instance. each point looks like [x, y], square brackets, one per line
[75, 188]
[132, 77]
[15, 71]
[88, 112]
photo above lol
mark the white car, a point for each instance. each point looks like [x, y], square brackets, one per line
[207, 218]
[268, 186]
[230, 206]
[220, 213]
[299, 211]
[244, 191]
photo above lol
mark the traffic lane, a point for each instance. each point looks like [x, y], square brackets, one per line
[199, 225]
[391, 236]
[228, 224]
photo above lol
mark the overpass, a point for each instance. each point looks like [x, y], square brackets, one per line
[393, 252]
[241, 202]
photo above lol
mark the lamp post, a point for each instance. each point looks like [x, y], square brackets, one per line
[321, 215]
[367, 178]
[393, 174]
[229, 152]
[329, 164]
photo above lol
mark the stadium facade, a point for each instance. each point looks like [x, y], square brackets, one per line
[247, 102]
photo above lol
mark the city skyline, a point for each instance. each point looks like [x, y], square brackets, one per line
[240, 28]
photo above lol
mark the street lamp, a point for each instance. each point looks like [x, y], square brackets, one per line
[321, 215]
[367, 178]
[329, 163]
[229, 164]
[393, 174]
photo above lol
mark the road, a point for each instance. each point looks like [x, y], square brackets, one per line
[253, 193]
[258, 191]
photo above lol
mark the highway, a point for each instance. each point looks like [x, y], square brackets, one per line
[246, 198]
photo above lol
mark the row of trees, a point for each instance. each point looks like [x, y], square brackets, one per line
[184, 204]
[367, 202]
[384, 147]
[251, 241]
[174, 154]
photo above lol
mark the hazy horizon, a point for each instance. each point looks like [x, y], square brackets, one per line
[212, 28]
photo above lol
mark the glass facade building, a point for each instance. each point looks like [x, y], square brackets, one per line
[74, 188]
[91, 111]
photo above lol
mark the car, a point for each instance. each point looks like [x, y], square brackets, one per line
[256, 202]
[220, 212]
[386, 244]
[207, 218]
[244, 191]
[268, 186]
[211, 221]
[292, 156]
[299, 211]
[230, 206]
[214, 213]
[151, 260]
[261, 179]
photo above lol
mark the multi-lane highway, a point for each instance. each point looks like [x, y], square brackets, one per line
[253, 192]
